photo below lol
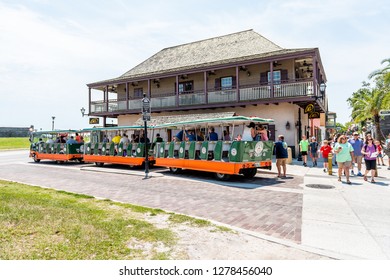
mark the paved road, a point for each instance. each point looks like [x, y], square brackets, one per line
[345, 222]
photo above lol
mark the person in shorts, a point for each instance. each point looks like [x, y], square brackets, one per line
[281, 156]
[313, 147]
[304, 148]
[325, 150]
[344, 156]
[357, 145]
[370, 154]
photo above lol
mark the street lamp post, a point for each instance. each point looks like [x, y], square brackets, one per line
[146, 117]
[52, 123]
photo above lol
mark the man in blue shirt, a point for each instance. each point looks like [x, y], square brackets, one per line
[213, 136]
[71, 141]
[281, 155]
[357, 146]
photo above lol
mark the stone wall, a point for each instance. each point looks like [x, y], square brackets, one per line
[14, 131]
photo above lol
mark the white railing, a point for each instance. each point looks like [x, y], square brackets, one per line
[188, 99]
[293, 90]
[163, 101]
[222, 96]
[255, 93]
[247, 93]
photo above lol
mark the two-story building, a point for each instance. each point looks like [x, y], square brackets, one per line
[241, 72]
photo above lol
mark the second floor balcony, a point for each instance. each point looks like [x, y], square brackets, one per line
[297, 91]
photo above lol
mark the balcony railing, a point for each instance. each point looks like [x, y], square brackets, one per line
[243, 94]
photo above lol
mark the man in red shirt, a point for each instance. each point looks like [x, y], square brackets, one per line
[325, 150]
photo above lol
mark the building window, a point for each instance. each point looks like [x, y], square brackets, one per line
[186, 87]
[138, 92]
[277, 77]
[227, 83]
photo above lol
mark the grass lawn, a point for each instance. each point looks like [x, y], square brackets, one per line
[37, 223]
[14, 143]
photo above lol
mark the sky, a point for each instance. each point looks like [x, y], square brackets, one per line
[50, 49]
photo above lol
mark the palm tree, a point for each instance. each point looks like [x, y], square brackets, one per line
[384, 71]
[366, 104]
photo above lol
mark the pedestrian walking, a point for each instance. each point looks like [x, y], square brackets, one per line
[370, 154]
[304, 148]
[281, 156]
[344, 157]
[313, 151]
[357, 145]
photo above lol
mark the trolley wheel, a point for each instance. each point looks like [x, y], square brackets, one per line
[221, 176]
[35, 158]
[249, 173]
[80, 160]
[175, 170]
[100, 164]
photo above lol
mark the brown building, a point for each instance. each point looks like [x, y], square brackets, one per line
[241, 72]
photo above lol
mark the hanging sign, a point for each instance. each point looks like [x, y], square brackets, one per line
[309, 108]
[314, 115]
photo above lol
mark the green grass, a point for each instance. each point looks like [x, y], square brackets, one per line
[45, 224]
[14, 143]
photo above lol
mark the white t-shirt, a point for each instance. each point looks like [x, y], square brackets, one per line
[246, 135]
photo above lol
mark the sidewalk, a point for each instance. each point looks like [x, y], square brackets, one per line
[353, 220]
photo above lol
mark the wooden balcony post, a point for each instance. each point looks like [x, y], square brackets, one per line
[177, 91]
[271, 74]
[127, 95]
[237, 84]
[315, 76]
[205, 86]
[89, 100]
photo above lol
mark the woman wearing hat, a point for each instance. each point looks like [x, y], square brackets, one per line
[249, 132]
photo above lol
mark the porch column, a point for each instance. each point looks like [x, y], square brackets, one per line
[127, 95]
[106, 98]
[177, 91]
[271, 74]
[205, 87]
[149, 93]
[89, 100]
[315, 76]
[238, 83]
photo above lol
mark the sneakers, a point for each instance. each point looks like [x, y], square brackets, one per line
[304, 164]
[360, 174]
[352, 173]
[325, 170]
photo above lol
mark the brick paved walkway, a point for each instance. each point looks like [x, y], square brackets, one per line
[265, 205]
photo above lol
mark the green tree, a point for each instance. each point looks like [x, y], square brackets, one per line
[367, 102]
[385, 72]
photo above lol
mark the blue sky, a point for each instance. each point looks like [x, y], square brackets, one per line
[50, 50]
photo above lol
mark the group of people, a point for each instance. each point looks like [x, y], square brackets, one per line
[348, 151]
[64, 139]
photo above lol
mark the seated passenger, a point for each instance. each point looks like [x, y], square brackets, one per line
[71, 141]
[249, 132]
[78, 138]
[213, 136]
[179, 136]
[191, 136]
[105, 139]
[116, 139]
[263, 133]
[125, 140]
[226, 136]
[199, 136]
[158, 138]
[50, 140]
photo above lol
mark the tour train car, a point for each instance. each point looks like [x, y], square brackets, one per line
[224, 157]
[51, 145]
[105, 146]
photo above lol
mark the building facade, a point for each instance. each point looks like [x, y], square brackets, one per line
[241, 72]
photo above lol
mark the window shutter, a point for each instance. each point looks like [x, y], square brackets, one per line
[263, 78]
[217, 84]
[284, 75]
[234, 81]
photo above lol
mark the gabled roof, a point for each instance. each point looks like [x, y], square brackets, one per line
[232, 46]
[236, 47]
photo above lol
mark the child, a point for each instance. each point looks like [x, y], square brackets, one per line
[380, 153]
[313, 150]
[325, 150]
[304, 147]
